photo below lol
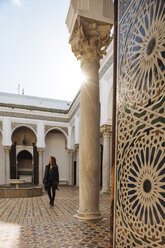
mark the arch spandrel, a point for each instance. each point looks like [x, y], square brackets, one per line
[24, 135]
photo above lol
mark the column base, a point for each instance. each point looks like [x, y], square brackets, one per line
[104, 191]
[88, 216]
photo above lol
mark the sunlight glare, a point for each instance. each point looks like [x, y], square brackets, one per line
[9, 235]
[83, 77]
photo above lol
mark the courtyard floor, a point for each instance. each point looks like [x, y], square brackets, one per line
[33, 223]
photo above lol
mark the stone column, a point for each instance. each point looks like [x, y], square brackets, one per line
[106, 130]
[40, 151]
[89, 41]
[7, 164]
[70, 166]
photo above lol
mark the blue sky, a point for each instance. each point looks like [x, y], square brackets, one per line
[34, 49]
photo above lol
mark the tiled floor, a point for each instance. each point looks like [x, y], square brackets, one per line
[33, 223]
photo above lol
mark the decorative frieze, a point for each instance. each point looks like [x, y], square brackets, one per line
[35, 117]
[40, 117]
[28, 107]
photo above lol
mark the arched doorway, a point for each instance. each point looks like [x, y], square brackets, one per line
[24, 155]
[56, 145]
[25, 166]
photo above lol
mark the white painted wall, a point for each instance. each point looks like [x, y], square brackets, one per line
[73, 137]
[2, 162]
[6, 141]
[109, 106]
[55, 146]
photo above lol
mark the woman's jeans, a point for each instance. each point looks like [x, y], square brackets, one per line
[52, 187]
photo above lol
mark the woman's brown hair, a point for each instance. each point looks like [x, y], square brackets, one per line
[53, 162]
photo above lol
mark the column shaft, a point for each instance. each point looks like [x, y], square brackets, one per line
[40, 150]
[7, 165]
[89, 143]
[106, 164]
[70, 167]
[77, 176]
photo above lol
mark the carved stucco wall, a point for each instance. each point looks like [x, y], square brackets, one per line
[140, 170]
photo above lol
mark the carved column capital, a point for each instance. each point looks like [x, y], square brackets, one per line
[40, 149]
[76, 147]
[70, 150]
[89, 39]
[6, 148]
[106, 130]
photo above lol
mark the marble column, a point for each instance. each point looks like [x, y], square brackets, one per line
[89, 41]
[40, 151]
[106, 131]
[7, 164]
[70, 166]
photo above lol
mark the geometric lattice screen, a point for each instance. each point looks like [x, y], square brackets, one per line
[140, 170]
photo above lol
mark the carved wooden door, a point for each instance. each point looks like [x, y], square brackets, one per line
[13, 162]
[36, 160]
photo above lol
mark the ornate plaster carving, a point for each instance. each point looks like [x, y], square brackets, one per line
[40, 117]
[35, 117]
[15, 124]
[90, 39]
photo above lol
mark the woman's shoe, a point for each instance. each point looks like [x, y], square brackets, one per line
[52, 203]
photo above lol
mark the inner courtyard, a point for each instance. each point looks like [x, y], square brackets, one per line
[31, 222]
[109, 141]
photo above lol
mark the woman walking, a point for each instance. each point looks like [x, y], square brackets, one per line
[51, 179]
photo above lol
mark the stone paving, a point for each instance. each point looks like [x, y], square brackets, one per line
[33, 223]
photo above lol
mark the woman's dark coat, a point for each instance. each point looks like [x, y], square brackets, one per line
[55, 174]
